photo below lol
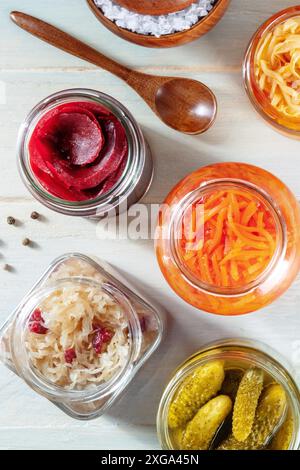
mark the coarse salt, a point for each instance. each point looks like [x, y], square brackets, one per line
[155, 25]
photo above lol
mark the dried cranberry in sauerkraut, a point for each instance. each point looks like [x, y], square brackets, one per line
[84, 340]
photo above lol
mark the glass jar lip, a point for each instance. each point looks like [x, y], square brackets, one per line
[262, 355]
[36, 380]
[250, 83]
[281, 242]
[136, 152]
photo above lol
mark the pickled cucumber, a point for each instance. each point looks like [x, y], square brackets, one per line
[177, 436]
[201, 430]
[270, 411]
[246, 403]
[194, 392]
[231, 383]
[284, 436]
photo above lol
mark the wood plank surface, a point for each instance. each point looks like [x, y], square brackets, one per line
[31, 70]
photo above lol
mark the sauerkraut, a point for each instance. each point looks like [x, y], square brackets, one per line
[277, 67]
[78, 337]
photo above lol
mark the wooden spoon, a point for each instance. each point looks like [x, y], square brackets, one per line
[155, 7]
[185, 105]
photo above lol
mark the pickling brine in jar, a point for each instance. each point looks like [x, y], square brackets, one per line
[228, 238]
[80, 335]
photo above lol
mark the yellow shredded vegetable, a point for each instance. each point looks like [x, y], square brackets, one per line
[277, 67]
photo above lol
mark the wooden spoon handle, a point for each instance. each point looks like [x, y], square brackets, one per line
[68, 43]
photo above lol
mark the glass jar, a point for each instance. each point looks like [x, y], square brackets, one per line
[269, 283]
[261, 103]
[129, 189]
[238, 355]
[145, 329]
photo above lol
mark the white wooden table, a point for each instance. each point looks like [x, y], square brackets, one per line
[31, 70]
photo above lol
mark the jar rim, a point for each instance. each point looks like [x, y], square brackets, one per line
[187, 201]
[261, 354]
[136, 153]
[49, 389]
[262, 105]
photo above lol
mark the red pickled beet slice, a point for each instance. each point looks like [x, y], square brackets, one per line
[37, 328]
[41, 152]
[36, 316]
[109, 183]
[75, 136]
[114, 177]
[101, 336]
[109, 161]
[36, 321]
[55, 187]
[70, 355]
[54, 161]
[95, 108]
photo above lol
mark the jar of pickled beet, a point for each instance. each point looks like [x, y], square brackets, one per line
[228, 238]
[81, 153]
[231, 395]
[80, 335]
[270, 71]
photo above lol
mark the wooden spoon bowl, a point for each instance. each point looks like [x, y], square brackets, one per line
[155, 7]
[204, 25]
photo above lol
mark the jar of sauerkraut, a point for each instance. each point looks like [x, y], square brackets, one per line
[228, 238]
[235, 394]
[80, 335]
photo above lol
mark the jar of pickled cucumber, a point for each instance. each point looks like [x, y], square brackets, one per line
[228, 238]
[231, 395]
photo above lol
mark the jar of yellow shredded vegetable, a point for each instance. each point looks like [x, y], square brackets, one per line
[272, 71]
[230, 395]
[228, 238]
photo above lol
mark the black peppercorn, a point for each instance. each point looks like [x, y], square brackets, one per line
[35, 215]
[11, 220]
[26, 242]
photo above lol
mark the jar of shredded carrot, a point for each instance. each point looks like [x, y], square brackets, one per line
[272, 72]
[228, 238]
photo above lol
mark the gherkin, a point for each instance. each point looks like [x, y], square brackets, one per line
[269, 413]
[177, 436]
[199, 387]
[246, 402]
[283, 437]
[201, 430]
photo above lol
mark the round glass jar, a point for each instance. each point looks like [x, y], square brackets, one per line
[261, 103]
[237, 355]
[144, 327]
[258, 290]
[129, 189]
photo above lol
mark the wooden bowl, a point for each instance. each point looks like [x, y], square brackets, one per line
[169, 40]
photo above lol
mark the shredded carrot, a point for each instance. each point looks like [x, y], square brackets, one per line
[249, 212]
[216, 240]
[234, 271]
[235, 238]
[224, 276]
[216, 268]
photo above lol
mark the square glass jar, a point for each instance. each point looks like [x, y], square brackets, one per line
[145, 330]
